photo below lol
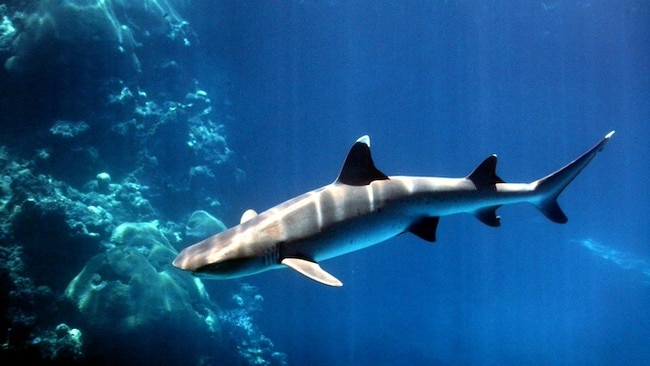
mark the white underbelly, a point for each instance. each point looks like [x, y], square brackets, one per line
[355, 235]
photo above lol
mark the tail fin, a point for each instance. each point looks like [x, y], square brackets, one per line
[550, 187]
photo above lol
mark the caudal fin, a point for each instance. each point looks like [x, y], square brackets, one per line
[550, 187]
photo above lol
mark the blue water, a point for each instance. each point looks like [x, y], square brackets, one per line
[438, 86]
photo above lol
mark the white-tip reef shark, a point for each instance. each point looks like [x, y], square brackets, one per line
[364, 207]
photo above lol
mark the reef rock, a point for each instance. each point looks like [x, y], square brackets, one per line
[201, 225]
[129, 293]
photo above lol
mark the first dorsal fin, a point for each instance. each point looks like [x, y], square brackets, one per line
[358, 168]
[485, 175]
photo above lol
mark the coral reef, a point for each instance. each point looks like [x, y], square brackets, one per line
[123, 98]
[62, 343]
[7, 29]
[49, 224]
[29, 323]
[132, 288]
[96, 180]
[201, 225]
[67, 129]
[113, 270]
[238, 322]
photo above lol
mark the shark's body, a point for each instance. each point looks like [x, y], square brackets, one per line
[364, 207]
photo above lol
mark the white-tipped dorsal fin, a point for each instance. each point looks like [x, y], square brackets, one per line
[311, 270]
[247, 215]
[358, 168]
[365, 139]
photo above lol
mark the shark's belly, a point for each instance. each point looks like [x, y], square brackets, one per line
[348, 236]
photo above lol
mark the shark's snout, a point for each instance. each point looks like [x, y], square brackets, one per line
[189, 259]
[178, 262]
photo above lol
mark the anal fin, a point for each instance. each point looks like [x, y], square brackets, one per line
[489, 216]
[425, 228]
[311, 270]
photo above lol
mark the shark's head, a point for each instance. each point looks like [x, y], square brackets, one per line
[225, 255]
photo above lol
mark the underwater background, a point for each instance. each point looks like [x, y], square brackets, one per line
[133, 129]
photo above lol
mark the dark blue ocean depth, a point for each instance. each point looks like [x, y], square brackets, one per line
[132, 130]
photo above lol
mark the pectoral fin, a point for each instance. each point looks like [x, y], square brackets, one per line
[311, 270]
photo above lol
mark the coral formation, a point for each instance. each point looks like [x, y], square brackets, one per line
[68, 129]
[7, 29]
[132, 287]
[238, 322]
[62, 343]
[201, 225]
[120, 87]
[103, 182]
[29, 322]
[126, 286]
[96, 180]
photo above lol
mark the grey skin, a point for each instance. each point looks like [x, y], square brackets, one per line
[364, 207]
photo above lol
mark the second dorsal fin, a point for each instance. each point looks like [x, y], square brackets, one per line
[485, 174]
[358, 168]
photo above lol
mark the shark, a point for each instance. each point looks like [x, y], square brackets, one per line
[364, 207]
